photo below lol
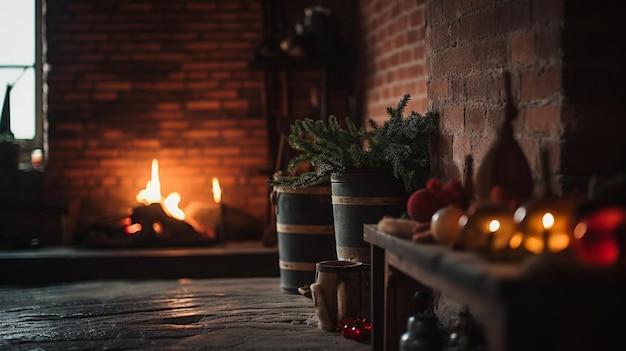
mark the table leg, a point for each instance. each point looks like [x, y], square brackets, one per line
[377, 276]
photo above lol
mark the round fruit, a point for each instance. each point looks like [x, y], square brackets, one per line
[422, 204]
[445, 225]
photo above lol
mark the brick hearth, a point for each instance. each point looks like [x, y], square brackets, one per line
[65, 264]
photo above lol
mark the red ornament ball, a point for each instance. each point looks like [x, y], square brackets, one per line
[357, 329]
[596, 236]
[422, 204]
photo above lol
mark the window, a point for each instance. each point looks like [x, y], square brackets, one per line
[21, 63]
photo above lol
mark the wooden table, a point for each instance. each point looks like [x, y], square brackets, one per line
[532, 305]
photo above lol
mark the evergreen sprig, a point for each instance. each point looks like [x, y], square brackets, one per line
[399, 145]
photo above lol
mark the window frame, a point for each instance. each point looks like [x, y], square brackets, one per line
[39, 140]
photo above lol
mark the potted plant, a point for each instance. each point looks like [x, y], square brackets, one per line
[399, 145]
[372, 171]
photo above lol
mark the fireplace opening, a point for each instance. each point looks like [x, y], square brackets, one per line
[158, 221]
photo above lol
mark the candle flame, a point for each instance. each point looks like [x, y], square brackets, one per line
[494, 225]
[547, 220]
[217, 190]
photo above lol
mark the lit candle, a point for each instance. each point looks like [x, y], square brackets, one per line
[547, 221]
[494, 225]
[217, 190]
[487, 229]
[217, 198]
[546, 224]
[36, 158]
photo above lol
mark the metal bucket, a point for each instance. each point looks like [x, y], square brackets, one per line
[360, 198]
[304, 226]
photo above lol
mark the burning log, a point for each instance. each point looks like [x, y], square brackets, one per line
[157, 224]
[147, 226]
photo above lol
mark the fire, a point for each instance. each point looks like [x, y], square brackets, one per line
[170, 205]
[217, 191]
[152, 194]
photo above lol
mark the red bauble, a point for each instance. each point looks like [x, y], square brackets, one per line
[357, 329]
[422, 204]
[596, 242]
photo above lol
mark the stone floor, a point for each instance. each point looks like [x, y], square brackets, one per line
[177, 314]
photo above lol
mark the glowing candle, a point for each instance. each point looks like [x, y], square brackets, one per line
[217, 190]
[217, 197]
[36, 158]
[494, 225]
[546, 224]
[547, 221]
[488, 228]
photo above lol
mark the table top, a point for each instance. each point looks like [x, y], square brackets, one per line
[465, 272]
[206, 314]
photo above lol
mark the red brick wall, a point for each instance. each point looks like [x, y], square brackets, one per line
[136, 80]
[392, 56]
[564, 64]
[469, 47]
[565, 87]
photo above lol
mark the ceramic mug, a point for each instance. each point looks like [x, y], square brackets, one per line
[340, 291]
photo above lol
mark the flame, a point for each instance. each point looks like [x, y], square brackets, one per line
[170, 206]
[494, 225]
[152, 194]
[217, 191]
[547, 220]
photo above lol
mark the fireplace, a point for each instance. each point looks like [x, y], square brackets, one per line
[158, 221]
[155, 239]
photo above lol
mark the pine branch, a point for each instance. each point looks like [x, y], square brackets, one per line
[399, 145]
